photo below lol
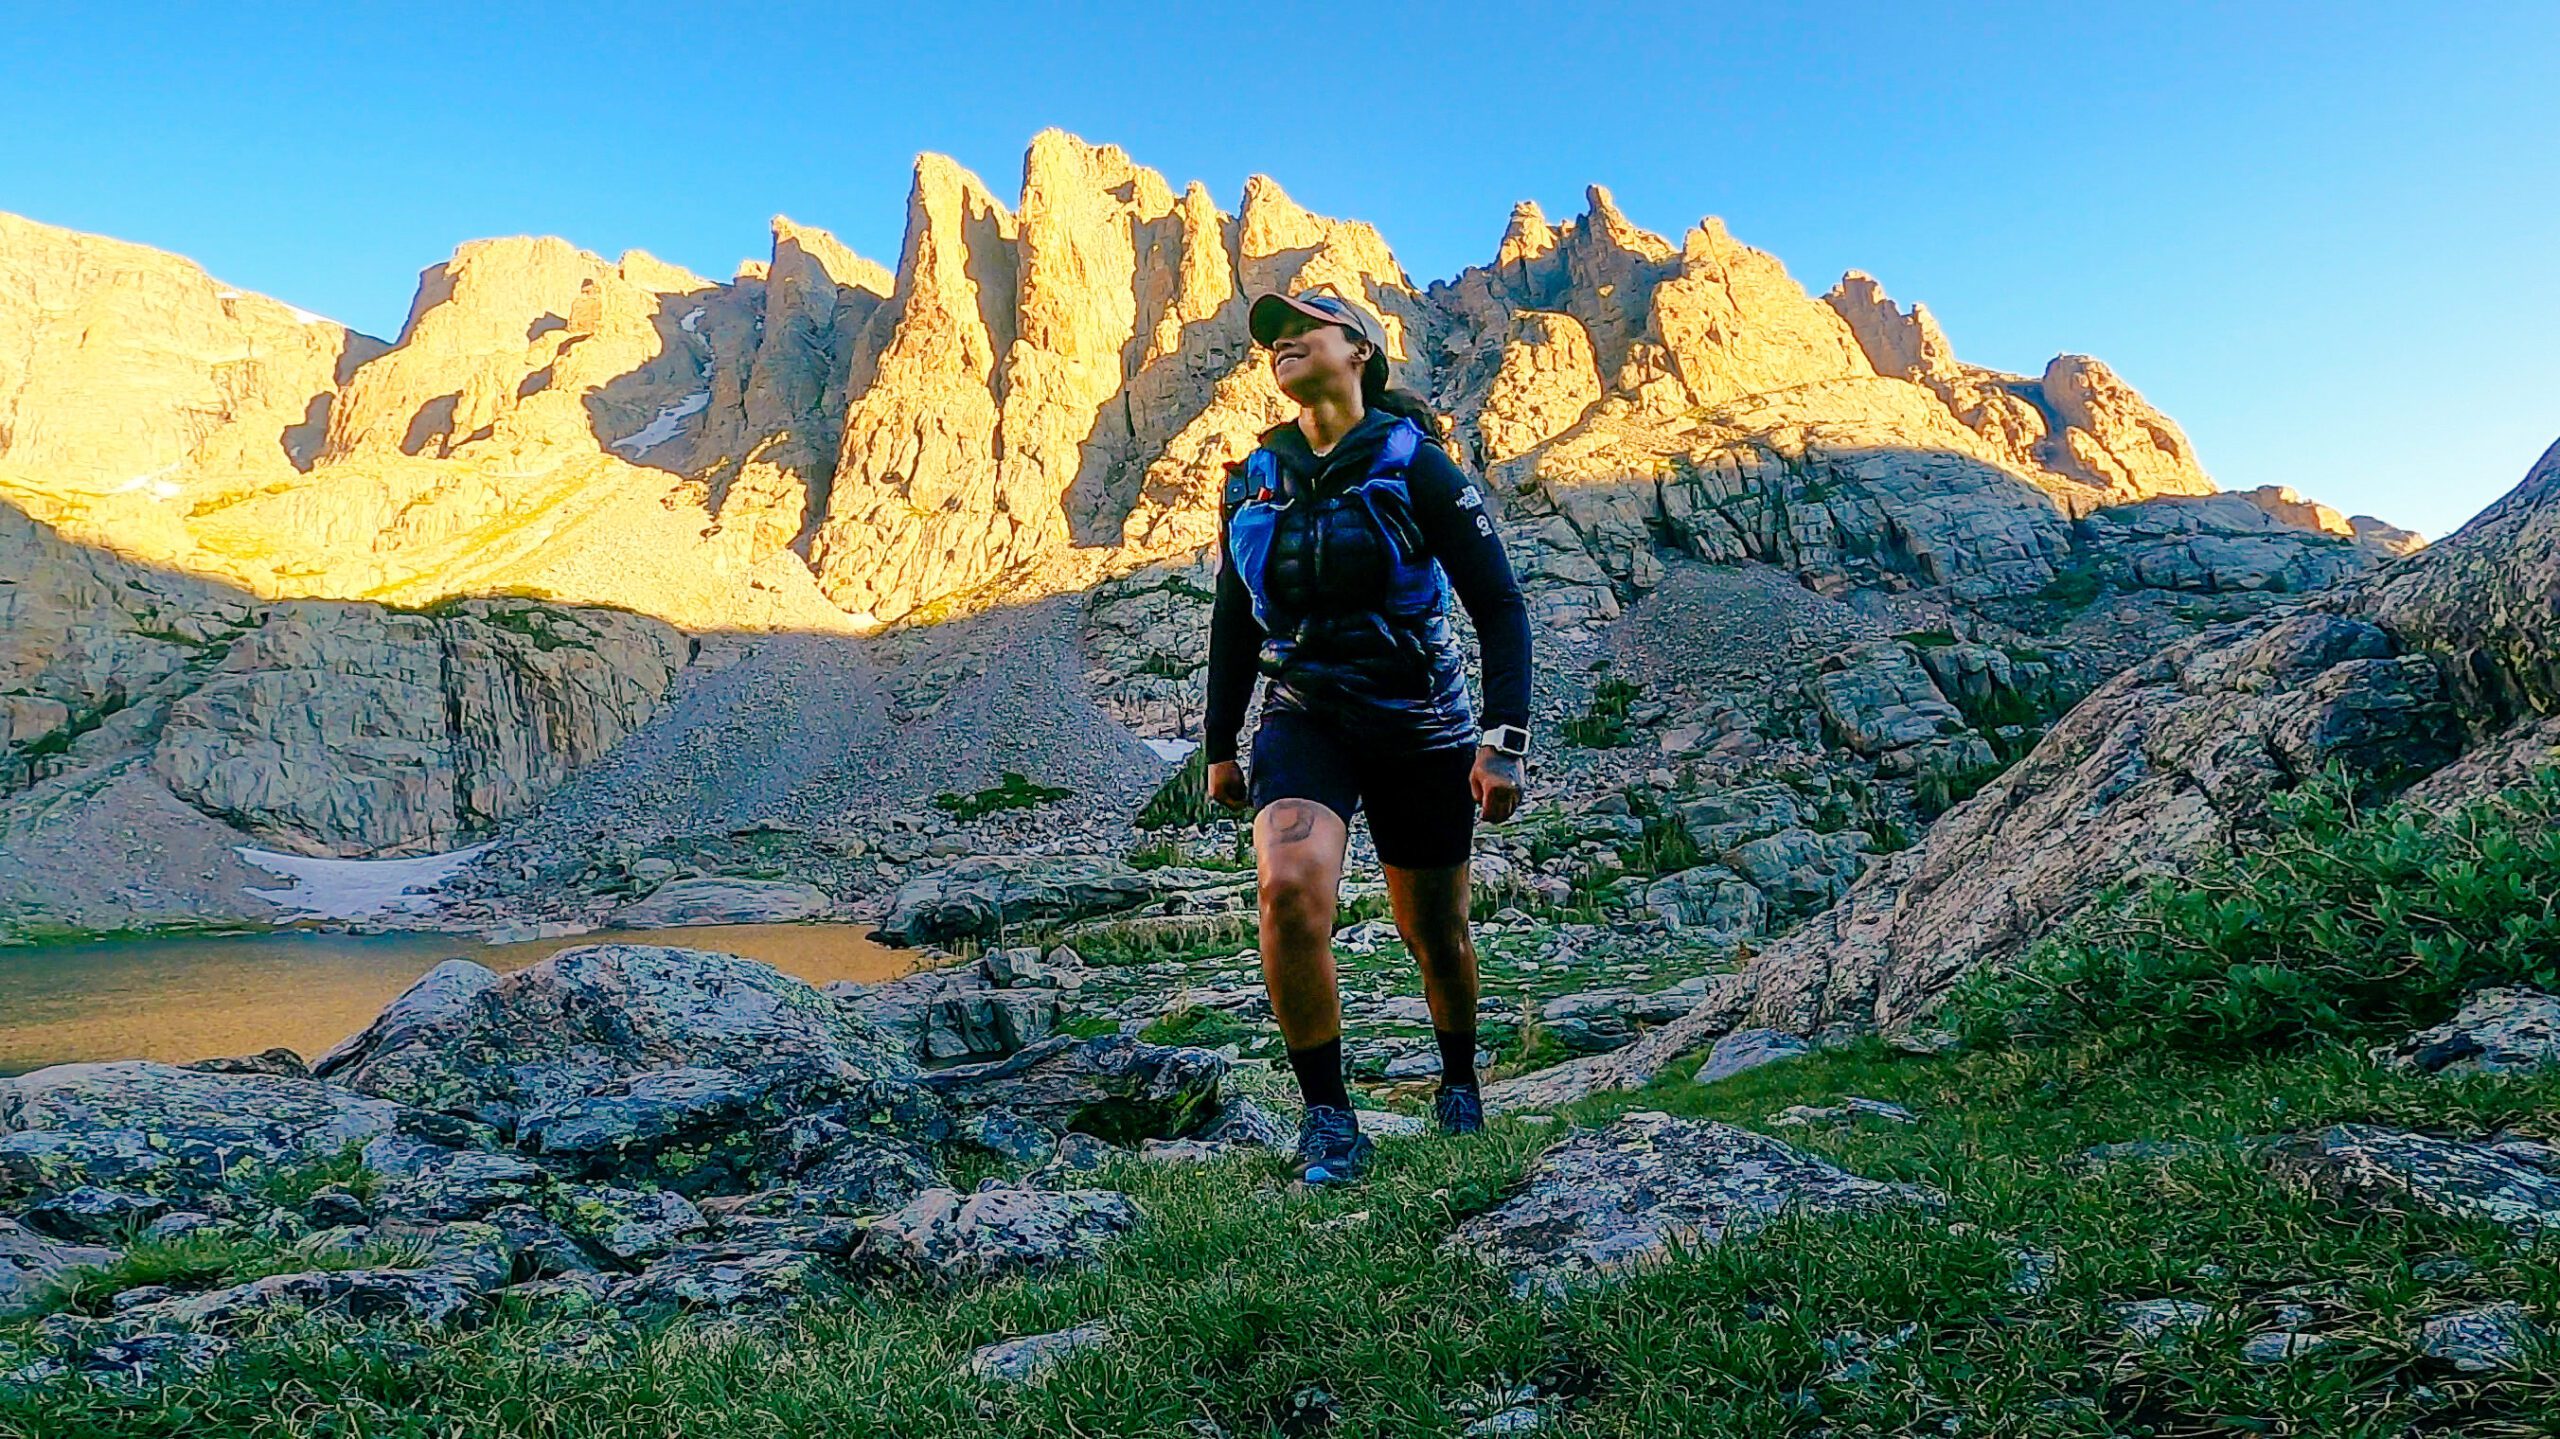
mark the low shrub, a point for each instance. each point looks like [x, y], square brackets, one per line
[2349, 920]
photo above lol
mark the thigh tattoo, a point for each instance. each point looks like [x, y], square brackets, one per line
[1293, 822]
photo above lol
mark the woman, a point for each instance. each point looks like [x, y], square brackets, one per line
[1344, 533]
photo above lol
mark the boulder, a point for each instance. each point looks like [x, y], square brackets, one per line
[630, 1226]
[462, 1185]
[466, 1262]
[1711, 900]
[2486, 1340]
[134, 1125]
[2497, 1031]
[636, 1117]
[1748, 1049]
[983, 896]
[2515, 1185]
[1879, 698]
[723, 901]
[959, 1012]
[1117, 1087]
[943, 1235]
[721, 1278]
[87, 1213]
[586, 1019]
[30, 1262]
[1609, 1199]
[1029, 1360]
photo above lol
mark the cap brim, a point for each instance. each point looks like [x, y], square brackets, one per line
[1271, 311]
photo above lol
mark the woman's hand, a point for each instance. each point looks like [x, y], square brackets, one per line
[1495, 782]
[1227, 786]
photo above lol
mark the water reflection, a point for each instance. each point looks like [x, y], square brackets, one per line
[195, 998]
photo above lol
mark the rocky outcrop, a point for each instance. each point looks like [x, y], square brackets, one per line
[2499, 1030]
[199, 372]
[1044, 391]
[1647, 1186]
[505, 1049]
[2393, 675]
[664, 1130]
[350, 729]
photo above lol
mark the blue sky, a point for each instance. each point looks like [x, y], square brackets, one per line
[2321, 237]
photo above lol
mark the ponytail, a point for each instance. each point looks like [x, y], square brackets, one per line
[1377, 394]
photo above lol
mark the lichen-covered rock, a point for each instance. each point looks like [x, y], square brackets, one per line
[29, 1262]
[142, 1127]
[1117, 1087]
[87, 1213]
[2516, 1186]
[722, 1278]
[2497, 1031]
[944, 1235]
[1609, 1199]
[429, 1295]
[587, 1018]
[463, 1185]
[636, 1117]
[630, 1226]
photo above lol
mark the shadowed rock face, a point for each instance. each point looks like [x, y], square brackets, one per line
[2443, 664]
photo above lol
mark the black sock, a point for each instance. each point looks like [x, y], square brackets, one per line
[1319, 1070]
[1457, 1056]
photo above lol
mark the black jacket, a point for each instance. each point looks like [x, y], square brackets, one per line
[1397, 690]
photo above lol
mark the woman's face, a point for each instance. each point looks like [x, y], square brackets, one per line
[1310, 358]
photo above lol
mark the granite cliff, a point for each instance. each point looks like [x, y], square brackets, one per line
[259, 554]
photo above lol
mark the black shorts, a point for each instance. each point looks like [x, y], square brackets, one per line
[1422, 815]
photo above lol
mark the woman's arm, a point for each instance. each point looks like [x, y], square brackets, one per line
[1234, 641]
[1457, 522]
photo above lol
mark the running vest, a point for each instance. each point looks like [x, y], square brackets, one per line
[1353, 606]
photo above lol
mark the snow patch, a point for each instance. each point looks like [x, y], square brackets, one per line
[157, 483]
[306, 317]
[354, 888]
[1171, 751]
[691, 319]
[669, 420]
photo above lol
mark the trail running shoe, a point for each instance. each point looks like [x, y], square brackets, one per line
[1459, 1108]
[1331, 1148]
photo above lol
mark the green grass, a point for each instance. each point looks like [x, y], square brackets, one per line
[1237, 1295]
[2075, 587]
[1013, 791]
[2236, 1004]
[1604, 724]
[2350, 920]
[1199, 1027]
[193, 1263]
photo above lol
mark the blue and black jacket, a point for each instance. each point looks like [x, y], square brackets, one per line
[1334, 582]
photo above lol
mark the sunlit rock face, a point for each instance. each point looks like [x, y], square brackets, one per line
[1041, 393]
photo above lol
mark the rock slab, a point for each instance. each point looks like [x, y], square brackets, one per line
[1631, 1194]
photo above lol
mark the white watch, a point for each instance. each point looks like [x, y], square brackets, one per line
[1509, 739]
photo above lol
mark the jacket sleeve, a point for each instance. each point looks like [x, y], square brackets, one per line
[1235, 639]
[1457, 523]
